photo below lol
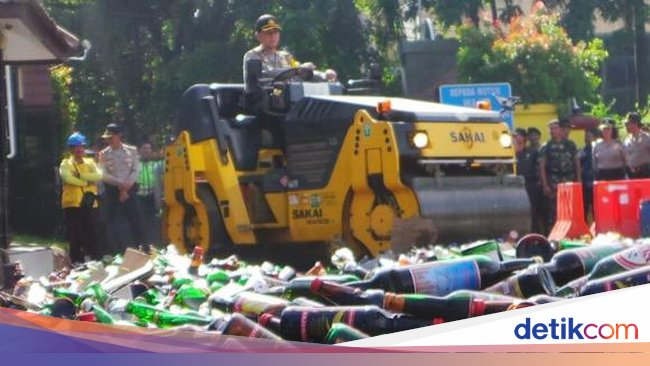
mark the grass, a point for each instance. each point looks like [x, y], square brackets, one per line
[23, 239]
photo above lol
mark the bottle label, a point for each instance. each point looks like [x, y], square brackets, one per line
[344, 316]
[252, 306]
[443, 278]
[635, 258]
[590, 256]
[509, 287]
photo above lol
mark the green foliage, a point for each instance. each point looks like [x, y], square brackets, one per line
[450, 13]
[535, 55]
[146, 53]
[68, 109]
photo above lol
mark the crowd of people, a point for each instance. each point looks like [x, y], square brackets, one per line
[114, 203]
[604, 158]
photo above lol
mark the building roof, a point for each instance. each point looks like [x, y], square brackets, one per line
[29, 34]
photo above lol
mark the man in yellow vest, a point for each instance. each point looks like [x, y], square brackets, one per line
[80, 177]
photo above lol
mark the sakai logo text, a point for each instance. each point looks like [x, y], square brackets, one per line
[467, 137]
[574, 330]
[307, 214]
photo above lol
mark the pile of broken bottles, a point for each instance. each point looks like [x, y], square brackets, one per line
[344, 301]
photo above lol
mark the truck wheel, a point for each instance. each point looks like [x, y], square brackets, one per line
[219, 241]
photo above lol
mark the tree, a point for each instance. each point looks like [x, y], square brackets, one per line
[535, 55]
[579, 18]
[146, 53]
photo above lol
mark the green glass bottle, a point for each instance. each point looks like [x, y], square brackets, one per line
[218, 276]
[490, 249]
[191, 296]
[101, 315]
[300, 287]
[216, 286]
[164, 319]
[181, 281]
[535, 245]
[571, 264]
[341, 333]
[633, 258]
[152, 296]
[76, 297]
[569, 244]
[98, 293]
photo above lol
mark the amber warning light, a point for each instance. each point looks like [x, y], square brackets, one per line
[484, 105]
[384, 107]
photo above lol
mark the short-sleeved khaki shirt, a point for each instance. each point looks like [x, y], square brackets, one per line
[609, 155]
[120, 165]
[271, 61]
[638, 150]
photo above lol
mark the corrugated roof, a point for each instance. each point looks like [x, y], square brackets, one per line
[61, 42]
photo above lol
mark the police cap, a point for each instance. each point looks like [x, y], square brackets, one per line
[266, 23]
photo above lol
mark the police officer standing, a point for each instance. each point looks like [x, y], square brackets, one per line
[528, 167]
[637, 148]
[120, 165]
[558, 163]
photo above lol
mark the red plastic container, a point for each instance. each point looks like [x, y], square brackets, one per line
[617, 206]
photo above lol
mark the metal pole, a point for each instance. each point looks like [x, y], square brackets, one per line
[4, 240]
[4, 227]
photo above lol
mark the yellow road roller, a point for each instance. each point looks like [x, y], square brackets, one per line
[320, 166]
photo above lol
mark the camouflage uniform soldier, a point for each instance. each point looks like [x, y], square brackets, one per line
[558, 163]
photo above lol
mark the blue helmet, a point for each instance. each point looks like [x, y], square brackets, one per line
[76, 139]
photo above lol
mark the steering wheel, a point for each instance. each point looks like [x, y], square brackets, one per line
[302, 72]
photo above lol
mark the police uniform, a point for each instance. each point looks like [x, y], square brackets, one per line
[119, 166]
[637, 149]
[559, 157]
[271, 61]
[528, 167]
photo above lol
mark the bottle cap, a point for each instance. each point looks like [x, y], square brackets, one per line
[533, 245]
[265, 319]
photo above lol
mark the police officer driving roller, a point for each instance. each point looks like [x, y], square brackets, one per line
[266, 61]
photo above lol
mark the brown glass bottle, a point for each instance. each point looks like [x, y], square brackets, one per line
[313, 324]
[619, 281]
[250, 304]
[569, 265]
[444, 277]
[239, 325]
[532, 281]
